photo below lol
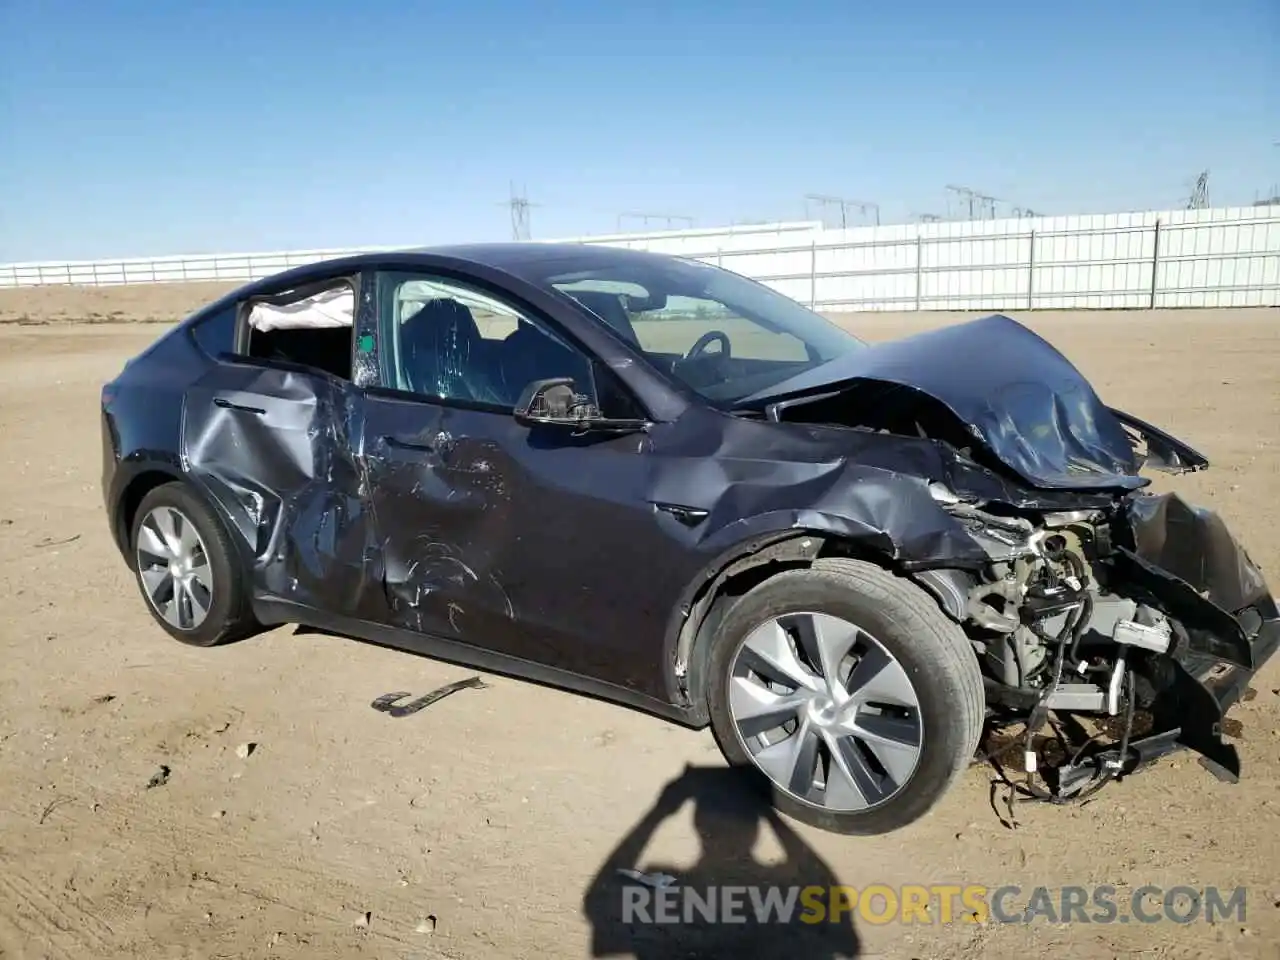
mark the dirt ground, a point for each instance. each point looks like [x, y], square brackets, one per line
[479, 827]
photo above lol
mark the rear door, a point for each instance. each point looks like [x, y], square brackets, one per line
[270, 433]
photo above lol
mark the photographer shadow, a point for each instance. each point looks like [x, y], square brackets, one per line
[646, 912]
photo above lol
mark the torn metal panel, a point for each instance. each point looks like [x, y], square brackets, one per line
[746, 477]
[1210, 630]
[1018, 397]
[274, 449]
[437, 505]
[892, 514]
[1195, 545]
[1159, 450]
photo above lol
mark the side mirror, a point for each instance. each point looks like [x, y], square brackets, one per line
[556, 402]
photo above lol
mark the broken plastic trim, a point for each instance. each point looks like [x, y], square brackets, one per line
[387, 703]
[1165, 452]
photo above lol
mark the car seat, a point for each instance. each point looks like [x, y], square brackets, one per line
[608, 307]
[443, 355]
[528, 354]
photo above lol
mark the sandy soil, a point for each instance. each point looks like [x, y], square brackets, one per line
[486, 819]
[134, 303]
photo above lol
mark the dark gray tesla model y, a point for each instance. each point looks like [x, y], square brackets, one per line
[655, 481]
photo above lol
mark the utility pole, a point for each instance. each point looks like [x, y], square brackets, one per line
[845, 205]
[863, 206]
[824, 201]
[520, 204]
[1200, 193]
[979, 204]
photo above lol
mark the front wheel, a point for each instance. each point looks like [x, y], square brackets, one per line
[845, 693]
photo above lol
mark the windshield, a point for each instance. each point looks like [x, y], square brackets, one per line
[723, 335]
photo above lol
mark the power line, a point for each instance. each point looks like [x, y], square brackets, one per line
[670, 219]
[981, 205]
[845, 204]
[865, 206]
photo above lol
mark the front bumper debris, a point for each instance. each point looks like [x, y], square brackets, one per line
[1204, 690]
[1228, 627]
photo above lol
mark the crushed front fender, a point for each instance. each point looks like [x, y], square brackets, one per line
[1188, 561]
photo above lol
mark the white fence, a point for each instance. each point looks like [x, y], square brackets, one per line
[1225, 257]
[195, 268]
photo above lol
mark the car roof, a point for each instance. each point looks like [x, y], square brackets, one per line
[530, 261]
[513, 256]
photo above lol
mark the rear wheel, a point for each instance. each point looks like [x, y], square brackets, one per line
[187, 569]
[845, 693]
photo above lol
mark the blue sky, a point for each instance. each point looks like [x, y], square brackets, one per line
[131, 127]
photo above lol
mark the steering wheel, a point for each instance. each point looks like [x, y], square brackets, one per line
[700, 345]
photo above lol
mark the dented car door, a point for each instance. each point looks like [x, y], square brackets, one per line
[502, 538]
[272, 446]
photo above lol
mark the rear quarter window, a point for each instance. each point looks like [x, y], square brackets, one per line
[215, 334]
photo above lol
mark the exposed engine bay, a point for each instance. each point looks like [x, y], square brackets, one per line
[1113, 626]
[1098, 662]
[1052, 635]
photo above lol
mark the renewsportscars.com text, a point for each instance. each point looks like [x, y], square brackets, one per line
[938, 903]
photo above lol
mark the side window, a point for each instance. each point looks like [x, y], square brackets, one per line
[312, 327]
[215, 333]
[446, 339]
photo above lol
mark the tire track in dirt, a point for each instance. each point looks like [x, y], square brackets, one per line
[176, 868]
[39, 915]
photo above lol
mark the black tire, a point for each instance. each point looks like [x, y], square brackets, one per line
[935, 653]
[229, 616]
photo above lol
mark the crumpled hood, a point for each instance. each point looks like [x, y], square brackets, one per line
[1018, 395]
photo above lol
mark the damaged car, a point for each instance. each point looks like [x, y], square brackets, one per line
[654, 481]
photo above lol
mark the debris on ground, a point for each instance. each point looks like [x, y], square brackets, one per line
[159, 778]
[426, 925]
[53, 805]
[245, 750]
[655, 880]
[364, 919]
[104, 698]
[54, 543]
[387, 702]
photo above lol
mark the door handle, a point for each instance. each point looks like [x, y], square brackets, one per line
[229, 405]
[400, 443]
